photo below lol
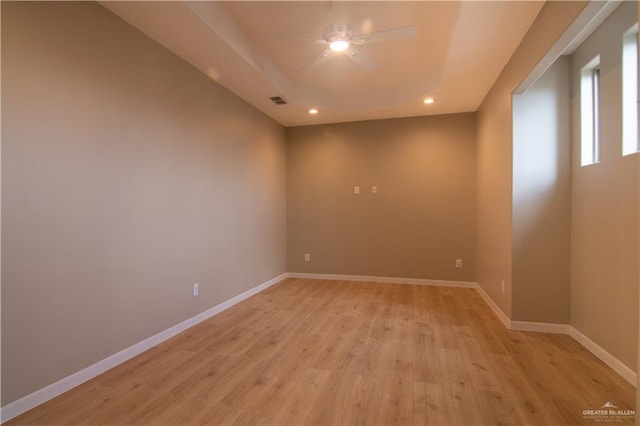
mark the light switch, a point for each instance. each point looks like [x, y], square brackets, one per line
[356, 190]
[374, 189]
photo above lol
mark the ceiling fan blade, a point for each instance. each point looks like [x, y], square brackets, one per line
[289, 37]
[368, 63]
[392, 34]
[320, 59]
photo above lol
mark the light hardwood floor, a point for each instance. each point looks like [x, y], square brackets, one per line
[336, 352]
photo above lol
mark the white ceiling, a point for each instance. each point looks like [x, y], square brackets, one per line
[458, 52]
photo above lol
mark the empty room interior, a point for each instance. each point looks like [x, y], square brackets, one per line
[259, 212]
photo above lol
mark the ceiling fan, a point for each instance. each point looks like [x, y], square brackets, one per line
[341, 39]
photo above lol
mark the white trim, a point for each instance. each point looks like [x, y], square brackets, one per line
[389, 280]
[613, 362]
[43, 395]
[540, 327]
[585, 23]
[49, 392]
[495, 308]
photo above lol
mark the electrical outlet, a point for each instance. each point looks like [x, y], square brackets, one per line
[196, 290]
[307, 257]
[458, 263]
[503, 286]
[374, 189]
[356, 190]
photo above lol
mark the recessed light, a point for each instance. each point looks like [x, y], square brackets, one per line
[429, 101]
[339, 45]
[313, 111]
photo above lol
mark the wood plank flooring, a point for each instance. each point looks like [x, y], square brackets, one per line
[336, 352]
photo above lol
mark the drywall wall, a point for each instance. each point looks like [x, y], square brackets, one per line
[127, 176]
[604, 233]
[638, 259]
[417, 224]
[0, 213]
[542, 198]
[494, 160]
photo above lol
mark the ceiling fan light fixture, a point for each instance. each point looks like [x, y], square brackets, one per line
[429, 101]
[339, 45]
[313, 111]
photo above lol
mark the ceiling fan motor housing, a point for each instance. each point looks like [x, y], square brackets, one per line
[334, 33]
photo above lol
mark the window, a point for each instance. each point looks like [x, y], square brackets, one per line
[630, 91]
[590, 112]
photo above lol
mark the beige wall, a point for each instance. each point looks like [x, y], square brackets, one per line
[495, 131]
[542, 198]
[604, 261]
[638, 350]
[418, 223]
[0, 212]
[127, 176]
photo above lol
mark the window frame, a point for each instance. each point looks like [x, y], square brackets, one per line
[590, 133]
[630, 142]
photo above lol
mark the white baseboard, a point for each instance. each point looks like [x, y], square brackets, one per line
[613, 362]
[495, 308]
[540, 327]
[43, 395]
[389, 280]
[49, 392]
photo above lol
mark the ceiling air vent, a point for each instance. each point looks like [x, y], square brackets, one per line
[278, 100]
